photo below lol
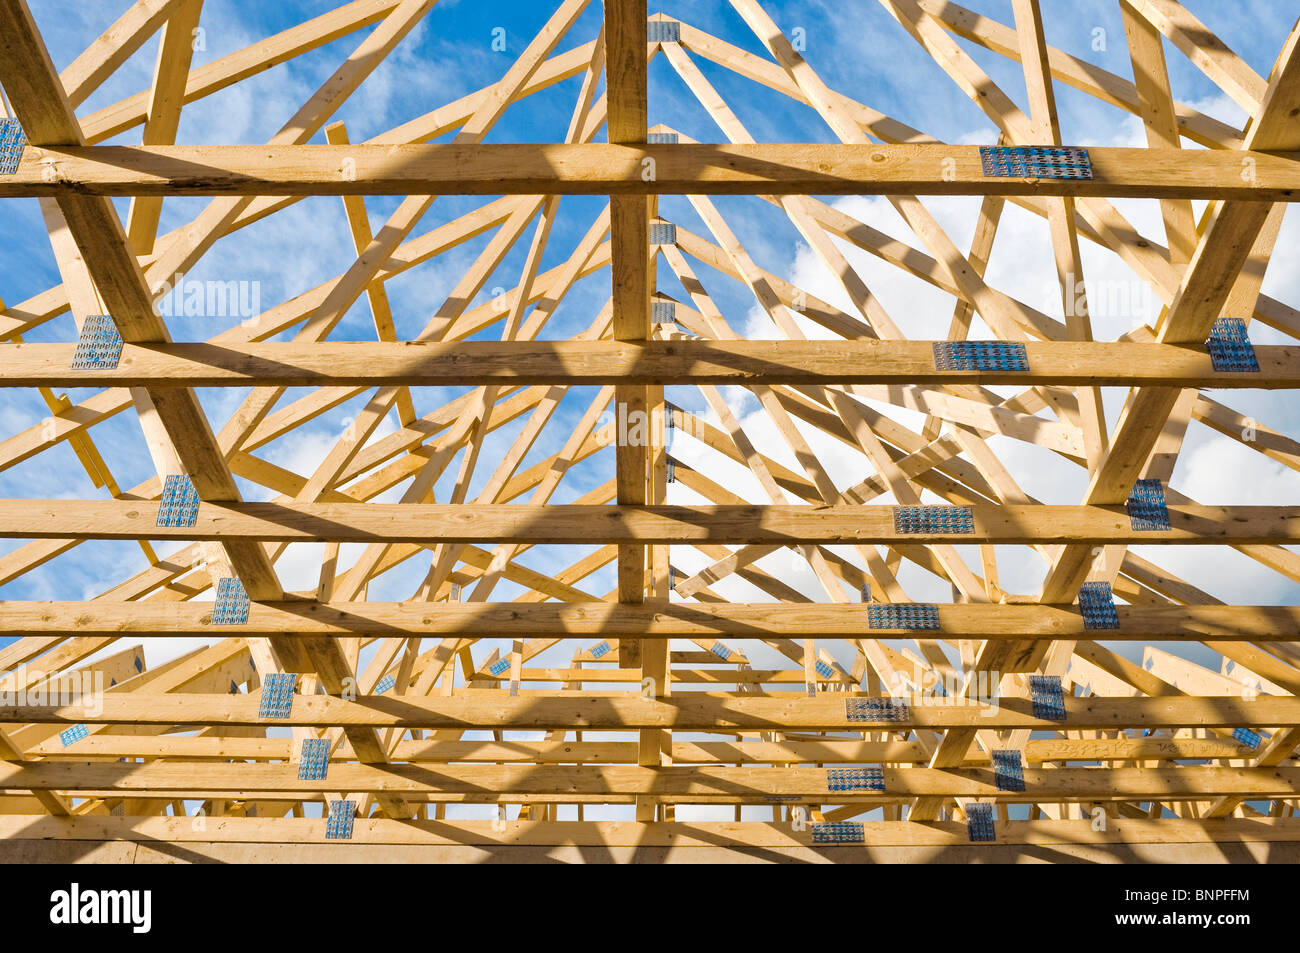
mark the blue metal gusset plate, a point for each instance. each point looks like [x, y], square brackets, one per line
[600, 651]
[1036, 162]
[73, 734]
[385, 684]
[661, 138]
[277, 695]
[824, 669]
[1048, 697]
[99, 345]
[664, 312]
[1008, 771]
[855, 779]
[902, 615]
[1097, 605]
[1147, 511]
[721, 651]
[179, 505]
[499, 666]
[843, 832]
[12, 143]
[979, 356]
[663, 31]
[341, 816]
[1250, 739]
[231, 607]
[663, 233]
[979, 822]
[875, 709]
[933, 519]
[315, 759]
[1230, 348]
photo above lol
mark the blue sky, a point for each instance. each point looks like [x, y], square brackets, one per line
[856, 47]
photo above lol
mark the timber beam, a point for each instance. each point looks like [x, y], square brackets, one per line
[617, 169]
[578, 363]
[306, 618]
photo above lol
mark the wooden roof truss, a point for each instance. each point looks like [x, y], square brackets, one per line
[655, 697]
